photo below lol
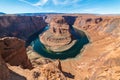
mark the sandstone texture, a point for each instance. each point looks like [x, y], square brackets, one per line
[19, 67]
[100, 59]
[58, 37]
[4, 71]
[13, 51]
[50, 71]
[20, 26]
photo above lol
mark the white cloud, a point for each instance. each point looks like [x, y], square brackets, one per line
[26, 2]
[56, 2]
[41, 3]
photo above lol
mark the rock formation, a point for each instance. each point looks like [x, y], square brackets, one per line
[58, 37]
[50, 71]
[20, 26]
[100, 60]
[4, 72]
[13, 51]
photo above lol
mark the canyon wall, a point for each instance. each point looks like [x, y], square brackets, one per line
[4, 71]
[58, 37]
[13, 51]
[15, 65]
[99, 60]
[20, 26]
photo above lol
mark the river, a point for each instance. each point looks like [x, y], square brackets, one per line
[81, 38]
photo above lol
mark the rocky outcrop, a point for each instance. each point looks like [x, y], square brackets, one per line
[50, 71]
[13, 51]
[57, 36]
[4, 71]
[20, 26]
[97, 23]
[100, 58]
[90, 23]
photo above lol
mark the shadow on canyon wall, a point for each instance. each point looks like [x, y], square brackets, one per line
[70, 19]
[15, 76]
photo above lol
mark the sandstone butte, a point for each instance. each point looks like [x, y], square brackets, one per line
[100, 59]
[58, 37]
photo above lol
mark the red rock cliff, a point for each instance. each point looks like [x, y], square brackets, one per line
[4, 72]
[20, 26]
[13, 51]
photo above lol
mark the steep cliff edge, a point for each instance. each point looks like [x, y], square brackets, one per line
[4, 71]
[20, 26]
[58, 37]
[19, 67]
[13, 51]
[50, 71]
[100, 58]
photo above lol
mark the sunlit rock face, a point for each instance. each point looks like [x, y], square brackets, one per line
[58, 37]
[13, 51]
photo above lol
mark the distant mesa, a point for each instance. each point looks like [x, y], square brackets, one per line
[36, 14]
[58, 37]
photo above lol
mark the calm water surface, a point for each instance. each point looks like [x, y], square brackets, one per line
[81, 38]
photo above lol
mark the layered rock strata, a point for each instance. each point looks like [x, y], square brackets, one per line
[50, 71]
[13, 51]
[100, 59]
[20, 26]
[58, 37]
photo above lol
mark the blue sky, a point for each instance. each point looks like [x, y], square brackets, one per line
[60, 6]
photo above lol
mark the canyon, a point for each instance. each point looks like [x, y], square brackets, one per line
[58, 37]
[98, 60]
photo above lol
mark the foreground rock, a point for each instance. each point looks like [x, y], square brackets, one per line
[50, 71]
[14, 54]
[4, 71]
[13, 51]
[100, 59]
[58, 37]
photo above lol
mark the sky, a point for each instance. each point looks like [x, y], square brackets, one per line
[60, 6]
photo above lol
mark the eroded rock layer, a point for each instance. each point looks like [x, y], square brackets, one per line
[58, 37]
[18, 67]
[13, 51]
[50, 71]
[4, 72]
[20, 26]
[100, 59]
